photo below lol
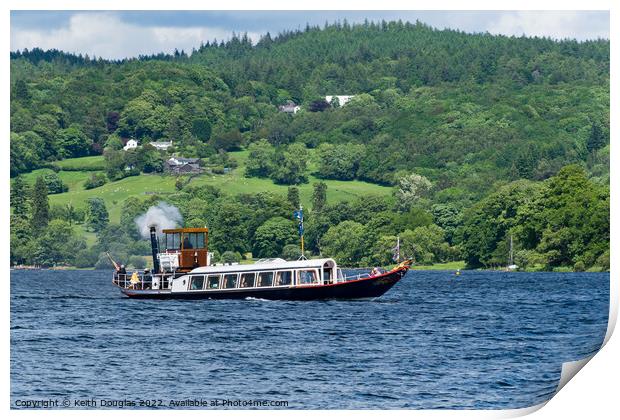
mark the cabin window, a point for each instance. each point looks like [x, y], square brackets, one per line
[307, 277]
[284, 278]
[173, 241]
[200, 240]
[265, 279]
[247, 280]
[213, 282]
[230, 281]
[187, 241]
[194, 240]
[327, 274]
[196, 283]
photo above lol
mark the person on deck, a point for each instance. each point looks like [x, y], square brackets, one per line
[375, 271]
[147, 278]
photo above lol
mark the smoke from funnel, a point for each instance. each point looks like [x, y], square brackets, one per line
[163, 215]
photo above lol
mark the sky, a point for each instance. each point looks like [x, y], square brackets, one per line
[121, 34]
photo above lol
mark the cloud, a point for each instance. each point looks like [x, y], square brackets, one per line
[104, 34]
[554, 24]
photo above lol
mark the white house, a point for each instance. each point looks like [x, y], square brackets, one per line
[131, 144]
[290, 107]
[342, 99]
[161, 145]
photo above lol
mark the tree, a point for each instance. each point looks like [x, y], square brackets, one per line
[382, 251]
[137, 262]
[57, 245]
[345, 242]
[228, 228]
[271, 237]
[71, 214]
[149, 159]
[97, 216]
[86, 257]
[230, 257]
[111, 120]
[526, 161]
[292, 196]
[411, 188]
[54, 183]
[201, 129]
[21, 241]
[596, 139]
[448, 217]
[426, 245]
[73, 142]
[26, 150]
[115, 164]
[487, 224]
[228, 141]
[40, 205]
[412, 219]
[20, 90]
[260, 159]
[19, 198]
[290, 165]
[319, 196]
[567, 220]
[291, 252]
[97, 179]
[114, 142]
[339, 161]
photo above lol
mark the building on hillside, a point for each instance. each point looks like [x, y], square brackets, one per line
[181, 166]
[290, 107]
[161, 145]
[342, 99]
[130, 144]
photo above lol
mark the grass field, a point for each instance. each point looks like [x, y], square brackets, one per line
[114, 193]
[87, 163]
[451, 266]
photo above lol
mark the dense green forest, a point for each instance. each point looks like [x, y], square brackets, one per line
[480, 137]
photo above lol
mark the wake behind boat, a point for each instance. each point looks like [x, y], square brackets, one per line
[184, 271]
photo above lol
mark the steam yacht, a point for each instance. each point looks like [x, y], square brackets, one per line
[184, 271]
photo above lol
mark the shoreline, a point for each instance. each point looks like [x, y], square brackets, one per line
[436, 267]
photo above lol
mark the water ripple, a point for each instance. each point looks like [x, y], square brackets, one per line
[484, 340]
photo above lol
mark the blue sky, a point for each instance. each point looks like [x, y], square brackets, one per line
[118, 34]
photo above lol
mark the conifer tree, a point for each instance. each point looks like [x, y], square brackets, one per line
[293, 196]
[319, 196]
[19, 198]
[596, 140]
[40, 205]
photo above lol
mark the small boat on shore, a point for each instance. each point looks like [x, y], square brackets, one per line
[184, 271]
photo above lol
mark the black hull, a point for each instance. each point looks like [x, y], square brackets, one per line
[364, 288]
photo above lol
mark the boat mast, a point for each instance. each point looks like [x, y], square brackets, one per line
[510, 257]
[299, 215]
[301, 228]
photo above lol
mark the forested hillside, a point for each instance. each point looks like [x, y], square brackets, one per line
[453, 122]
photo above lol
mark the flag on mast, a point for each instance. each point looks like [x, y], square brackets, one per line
[299, 216]
[396, 249]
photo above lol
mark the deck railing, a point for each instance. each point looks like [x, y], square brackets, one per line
[124, 281]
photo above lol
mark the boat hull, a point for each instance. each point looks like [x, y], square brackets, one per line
[364, 288]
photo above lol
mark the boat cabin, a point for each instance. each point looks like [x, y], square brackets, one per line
[265, 273]
[187, 247]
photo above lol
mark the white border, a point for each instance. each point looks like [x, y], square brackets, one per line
[594, 394]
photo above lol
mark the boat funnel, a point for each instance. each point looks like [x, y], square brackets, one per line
[155, 249]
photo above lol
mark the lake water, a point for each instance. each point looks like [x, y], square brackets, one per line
[481, 340]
